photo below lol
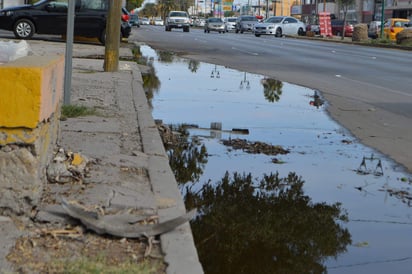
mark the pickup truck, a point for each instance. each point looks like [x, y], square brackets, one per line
[177, 20]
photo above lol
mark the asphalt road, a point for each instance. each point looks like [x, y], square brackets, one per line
[368, 89]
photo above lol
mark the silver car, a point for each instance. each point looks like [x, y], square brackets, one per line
[279, 26]
[215, 24]
[230, 23]
[245, 23]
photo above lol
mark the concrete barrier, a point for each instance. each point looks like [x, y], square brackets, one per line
[30, 101]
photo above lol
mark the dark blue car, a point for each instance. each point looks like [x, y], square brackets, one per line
[50, 17]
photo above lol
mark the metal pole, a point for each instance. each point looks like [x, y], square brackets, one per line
[382, 15]
[69, 53]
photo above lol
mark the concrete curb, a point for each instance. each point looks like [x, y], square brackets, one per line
[178, 245]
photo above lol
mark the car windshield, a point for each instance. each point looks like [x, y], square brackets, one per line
[215, 20]
[178, 14]
[39, 3]
[400, 23]
[231, 20]
[249, 18]
[274, 20]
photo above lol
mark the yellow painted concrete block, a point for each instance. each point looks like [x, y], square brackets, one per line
[31, 90]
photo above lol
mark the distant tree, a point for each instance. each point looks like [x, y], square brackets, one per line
[132, 4]
[165, 6]
[149, 10]
[229, 13]
[345, 5]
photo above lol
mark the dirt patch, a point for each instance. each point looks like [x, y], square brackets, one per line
[59, 244]
[55, 249]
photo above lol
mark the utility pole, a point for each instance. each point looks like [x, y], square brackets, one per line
[111, 55]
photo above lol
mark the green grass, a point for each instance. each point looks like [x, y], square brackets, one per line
[71, 111]
[99, 265]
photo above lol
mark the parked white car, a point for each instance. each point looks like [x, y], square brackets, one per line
[158, 22]
[279, 26]
[144, 21]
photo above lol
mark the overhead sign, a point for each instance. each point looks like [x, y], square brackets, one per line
[228, 5]
[296, 10]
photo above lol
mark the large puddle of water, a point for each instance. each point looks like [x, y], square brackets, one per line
[366, 195]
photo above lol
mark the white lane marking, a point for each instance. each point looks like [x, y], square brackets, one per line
[398, 92]
[201, 40]
[245, 51]
[372, 57]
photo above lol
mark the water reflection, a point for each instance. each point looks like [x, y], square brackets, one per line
[317, 100]
[151, 82]
[187, 155]
[215, 73]
[166, 56]
[193, 65]
[272, 89]
[266, 226]
[320, 150]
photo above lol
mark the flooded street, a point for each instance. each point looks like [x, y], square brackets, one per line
[347, 210]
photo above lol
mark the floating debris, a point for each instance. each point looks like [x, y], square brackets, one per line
[216, 125]
[240, 130]
[255, 147]
[403, 195]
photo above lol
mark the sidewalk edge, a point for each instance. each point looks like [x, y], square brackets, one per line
[178, 245]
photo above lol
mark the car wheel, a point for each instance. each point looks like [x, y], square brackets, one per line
[257, 35]
[102, 37]
[301, 32]
[186, 29]
[278, 32]
[237, 31]
[241, 31]
[23, 29]
[205, 31]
